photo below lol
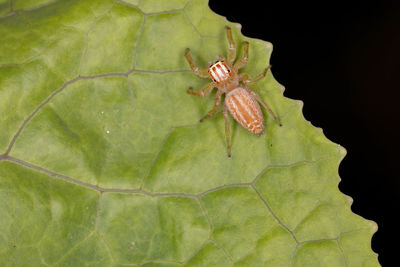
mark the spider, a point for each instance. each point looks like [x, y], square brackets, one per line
[240, 100]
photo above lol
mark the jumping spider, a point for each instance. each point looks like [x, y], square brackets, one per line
[240, 100]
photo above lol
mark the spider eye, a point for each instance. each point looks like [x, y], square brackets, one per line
[214, 80]
[229, 71]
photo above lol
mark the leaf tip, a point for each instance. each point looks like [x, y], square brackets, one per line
[300, 103]
[268, 45]
[349, 200]
[342, 151]
[374, 227]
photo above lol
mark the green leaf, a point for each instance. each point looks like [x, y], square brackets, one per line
[103, 161]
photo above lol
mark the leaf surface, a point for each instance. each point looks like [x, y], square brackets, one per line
[103, 161]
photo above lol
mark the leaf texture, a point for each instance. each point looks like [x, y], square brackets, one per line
[103, 161]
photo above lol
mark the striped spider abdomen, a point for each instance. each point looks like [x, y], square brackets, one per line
[245, 110]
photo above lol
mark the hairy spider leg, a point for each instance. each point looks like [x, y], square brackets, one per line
[241, 63]
[206, 90]
[227, 136]
[216, 105]
[232, 46]
[200, 72]
[244, 77]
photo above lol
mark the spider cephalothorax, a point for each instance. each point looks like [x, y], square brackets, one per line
[240, 100]
[219, 72]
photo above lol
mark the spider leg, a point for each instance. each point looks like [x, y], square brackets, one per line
[206, 90]
[200, 72]
[232, 46]
[262, 102]
[227, 136]
[216, 105]
[241, 63]
[246, 80]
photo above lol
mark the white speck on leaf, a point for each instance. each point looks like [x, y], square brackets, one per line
[132, 245]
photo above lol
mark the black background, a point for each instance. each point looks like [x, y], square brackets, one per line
[343, 60]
